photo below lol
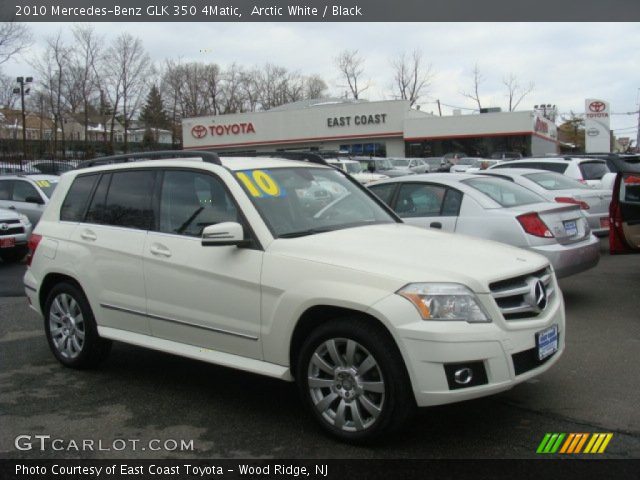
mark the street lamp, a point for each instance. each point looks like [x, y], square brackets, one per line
[21, 90]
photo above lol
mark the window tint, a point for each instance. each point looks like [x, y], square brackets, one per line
[96, 211]
[5, 190]
[452, 202]
[419, 200]
[630, 188]
[190, 201]
[23, 190]
[129, 200]
[593, 170]
[384, 192]
[74, 204]
[505, 193]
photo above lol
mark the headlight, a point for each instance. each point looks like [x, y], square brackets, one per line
[444, 301]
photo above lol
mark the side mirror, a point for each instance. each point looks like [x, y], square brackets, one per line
[224, 234]
[34, 199]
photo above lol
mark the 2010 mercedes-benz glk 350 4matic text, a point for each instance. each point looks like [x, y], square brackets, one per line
[289, 269]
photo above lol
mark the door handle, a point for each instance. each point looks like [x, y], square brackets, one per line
[435, 225]
[89, 236]
[160, 250]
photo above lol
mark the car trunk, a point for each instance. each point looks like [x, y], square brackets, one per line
[598, 200]
[566, 222]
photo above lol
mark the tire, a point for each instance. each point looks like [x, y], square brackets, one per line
[71, 328]
[352, 378]
[13, 255]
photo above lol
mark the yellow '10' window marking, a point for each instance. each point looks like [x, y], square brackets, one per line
[43, 183]
[259, 183]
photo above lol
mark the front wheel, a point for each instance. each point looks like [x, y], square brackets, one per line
[352, 378]
[71, 329]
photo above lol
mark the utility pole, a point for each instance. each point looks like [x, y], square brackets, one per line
[22, 92]
[439, 109]
[638, 133]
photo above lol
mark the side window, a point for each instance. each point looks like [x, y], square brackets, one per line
[384, 192]
[75, 203]
[5, 190]
[452, 202]
[23, 190]
[191, 201]
[96, 211]
[129, 198]
[419, 200]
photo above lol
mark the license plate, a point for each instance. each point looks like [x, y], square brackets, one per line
[570, 227]
[547, 342]
[604, 222]
[7, 242]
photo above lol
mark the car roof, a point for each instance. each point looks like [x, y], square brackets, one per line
[515, 171]
[31, 176]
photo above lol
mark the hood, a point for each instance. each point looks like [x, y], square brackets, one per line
[410, 254]
[6, 214]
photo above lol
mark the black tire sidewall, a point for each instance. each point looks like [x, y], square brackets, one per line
[388, 358]
[93, 346]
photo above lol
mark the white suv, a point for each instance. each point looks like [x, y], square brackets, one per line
[289, 269]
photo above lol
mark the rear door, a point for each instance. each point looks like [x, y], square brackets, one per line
[428, 205]
[624, 235]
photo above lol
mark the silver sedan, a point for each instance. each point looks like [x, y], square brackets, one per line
[555, 187]
[495, 209]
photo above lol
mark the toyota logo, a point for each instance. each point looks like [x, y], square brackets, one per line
[597, 106]
[4, 226]
[199, 131]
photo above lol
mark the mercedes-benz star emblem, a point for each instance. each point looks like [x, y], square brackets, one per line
[540, 295]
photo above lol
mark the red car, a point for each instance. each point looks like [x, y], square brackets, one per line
[624, 212]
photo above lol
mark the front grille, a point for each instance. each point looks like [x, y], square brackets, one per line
[528, 360]
[10, 221]
[11, 231]
[515, 296]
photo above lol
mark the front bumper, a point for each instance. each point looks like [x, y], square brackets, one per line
[572, 258]
[501, 347]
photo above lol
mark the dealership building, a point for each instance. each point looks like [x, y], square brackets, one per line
[386, 128]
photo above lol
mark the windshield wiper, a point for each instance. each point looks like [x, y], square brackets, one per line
[304, 233]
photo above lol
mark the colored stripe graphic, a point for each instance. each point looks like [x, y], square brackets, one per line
[573, 443]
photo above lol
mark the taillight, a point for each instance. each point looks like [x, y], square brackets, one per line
[34, 241]
[533, 225]
[583, 205]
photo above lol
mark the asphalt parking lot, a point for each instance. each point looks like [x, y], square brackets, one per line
[141, 394]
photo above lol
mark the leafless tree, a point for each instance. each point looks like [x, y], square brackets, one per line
[315, 87]
[8, 99]
[478, 78]
[130, 68]
[351, 68]
[171, 86]
[14, 38]
[515, 91]
[411, 76]
[233, 99]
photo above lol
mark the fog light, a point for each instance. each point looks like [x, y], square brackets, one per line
[463, 376]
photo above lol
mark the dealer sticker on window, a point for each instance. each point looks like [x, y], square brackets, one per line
[547, 342]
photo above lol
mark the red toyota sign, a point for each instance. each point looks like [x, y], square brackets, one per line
[597, 106]
[199, 131]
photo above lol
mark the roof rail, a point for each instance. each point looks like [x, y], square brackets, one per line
[209, 157]
[311, 157]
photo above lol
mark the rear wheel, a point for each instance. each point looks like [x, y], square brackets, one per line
[352, 378]
[71, 329]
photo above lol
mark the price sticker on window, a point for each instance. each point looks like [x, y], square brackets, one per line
[43, 183]
[260, 184]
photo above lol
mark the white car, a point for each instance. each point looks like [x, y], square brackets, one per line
[555, 187]
[15, 229]
[495, 209]
[590, 171]
[225, 261]
[465, 164]
[354, 168]
[27, 194]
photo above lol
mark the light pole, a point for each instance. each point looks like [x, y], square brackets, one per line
[22, 92]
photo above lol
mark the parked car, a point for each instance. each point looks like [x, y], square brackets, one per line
[15, 229]
[10, 169]
[415, 165]
[48, 167]
[495, 209]
[506, 156]
[589, 171]
[624, 211]
[27, 194]
[555, 187]
[382, 166]
[218, 260]
[466, 163]
[354, 168]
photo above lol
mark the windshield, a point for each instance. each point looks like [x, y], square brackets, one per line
[555, 181]
[400, 162]
[467, 161]
[353, 167]
[47, 186]
[593, 170]
[303, 201]
[504, 192]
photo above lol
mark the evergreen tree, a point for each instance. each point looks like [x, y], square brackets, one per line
[153, 114]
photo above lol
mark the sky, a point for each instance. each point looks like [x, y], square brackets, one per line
[567, 62]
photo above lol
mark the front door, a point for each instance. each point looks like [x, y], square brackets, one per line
[428, 206]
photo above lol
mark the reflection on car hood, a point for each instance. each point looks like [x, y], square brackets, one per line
[6, 214]
[412, 254]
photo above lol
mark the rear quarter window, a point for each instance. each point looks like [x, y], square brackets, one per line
[75, 203]
[593, 170]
